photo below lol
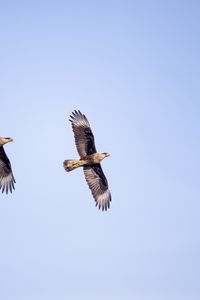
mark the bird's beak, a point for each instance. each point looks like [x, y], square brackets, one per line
[8, 140]
[107, 154]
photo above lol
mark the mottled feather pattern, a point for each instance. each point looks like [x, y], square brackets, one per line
[7, 179]
[84, 138]
[90, 160]
[98, 185]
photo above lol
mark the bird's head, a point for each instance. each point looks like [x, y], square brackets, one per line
[105, 154]
[4, 141]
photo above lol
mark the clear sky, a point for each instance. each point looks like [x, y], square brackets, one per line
[133, 68]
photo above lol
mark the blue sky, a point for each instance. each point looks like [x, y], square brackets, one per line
[133, 68]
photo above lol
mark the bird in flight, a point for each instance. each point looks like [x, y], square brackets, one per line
[7, 179]
[89, 160]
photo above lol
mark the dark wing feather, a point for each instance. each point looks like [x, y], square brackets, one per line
[98, 185]
[7, 179]
[84, 137]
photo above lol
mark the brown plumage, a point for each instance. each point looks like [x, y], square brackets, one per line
[89, 160]
[7, 179]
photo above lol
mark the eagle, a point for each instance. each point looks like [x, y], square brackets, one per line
[89, 159]
[7, 179]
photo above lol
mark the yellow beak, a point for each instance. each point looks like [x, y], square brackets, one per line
[8, 140]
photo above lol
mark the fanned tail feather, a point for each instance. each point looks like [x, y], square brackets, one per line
[72, 164]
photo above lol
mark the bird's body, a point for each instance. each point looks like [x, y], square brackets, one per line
[7, 179]
[95, 158]
[90, 160]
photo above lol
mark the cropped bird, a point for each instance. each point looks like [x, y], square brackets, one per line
[7, 179]
[89, 160]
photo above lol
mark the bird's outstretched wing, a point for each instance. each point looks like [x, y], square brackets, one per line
[84, 137]
[98, 185]
[7, 179]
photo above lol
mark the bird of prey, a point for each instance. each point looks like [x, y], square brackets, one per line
[89, 160]
[7, 179]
